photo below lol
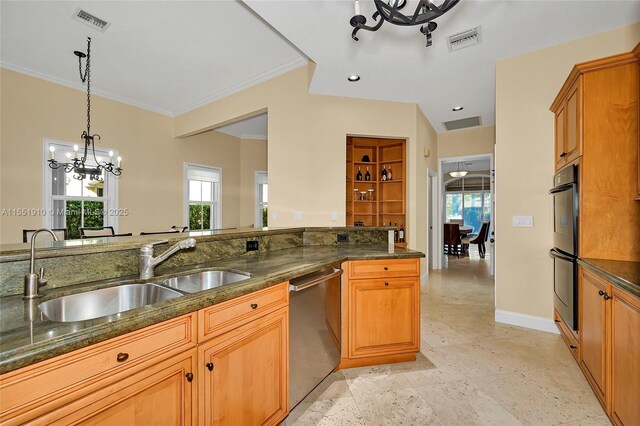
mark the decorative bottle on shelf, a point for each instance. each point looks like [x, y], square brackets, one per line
[401, 234]
[384, 173]
[389, 173]
[359, 175]
[395, 233]
[367, 176]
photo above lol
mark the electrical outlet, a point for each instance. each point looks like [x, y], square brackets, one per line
[334, 216]
[253, 245]
[343, 238]
[297, 216]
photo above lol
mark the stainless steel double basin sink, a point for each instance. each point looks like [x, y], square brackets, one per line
[111, 301]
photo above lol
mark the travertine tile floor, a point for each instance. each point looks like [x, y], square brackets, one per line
[471, 370]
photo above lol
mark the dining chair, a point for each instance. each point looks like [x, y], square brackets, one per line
[100, 231]
[452, 239]
[457, 221]
[61, 233]
[479, 239]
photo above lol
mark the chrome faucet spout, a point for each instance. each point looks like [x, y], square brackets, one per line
[33, 281]
[148, 262]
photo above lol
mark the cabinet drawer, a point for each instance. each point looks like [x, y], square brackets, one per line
[384, 268]
[226, 316]
[39, 388]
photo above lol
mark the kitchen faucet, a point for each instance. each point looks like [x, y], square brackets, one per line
[148, 262]
[33, 281]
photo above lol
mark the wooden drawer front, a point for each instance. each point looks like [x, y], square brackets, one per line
[567, 335]
[384, 317]
[33, 390]
[228, 315]
[384, 268]
[160, 394]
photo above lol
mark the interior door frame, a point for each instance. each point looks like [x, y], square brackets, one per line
[439, 222]
[432, 209]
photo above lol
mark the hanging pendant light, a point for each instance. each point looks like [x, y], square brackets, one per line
[78, 166]
[458, 173]
[389, 11]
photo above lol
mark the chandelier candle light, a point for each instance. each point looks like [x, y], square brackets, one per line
[78, 165]
[388, 11]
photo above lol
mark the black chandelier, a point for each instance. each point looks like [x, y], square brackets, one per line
[388, 11]
[78, 165]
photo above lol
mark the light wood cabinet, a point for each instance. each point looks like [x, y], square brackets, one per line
[244, 374]
[161, 394]
[593, 332]
[380, 311]
[388, 206]
[610, 346]
[568, 125]
[625, 357]
[596, 128]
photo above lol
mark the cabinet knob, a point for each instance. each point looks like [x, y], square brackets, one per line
[122, 357]
[601, 293]
[254, 306]
[606, 296]
[386, 268]
[386, 283]
[573, 347]
[564, 154]
[189, 377]
[209, 365]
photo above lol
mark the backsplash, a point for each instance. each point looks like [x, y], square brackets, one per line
[118, 259]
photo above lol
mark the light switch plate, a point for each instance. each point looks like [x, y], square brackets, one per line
[297, 216]
[522, 221]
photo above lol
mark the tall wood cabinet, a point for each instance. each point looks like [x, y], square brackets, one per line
[596, 127]
[384, 201]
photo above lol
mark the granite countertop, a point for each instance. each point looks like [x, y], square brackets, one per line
[623, 274]
[26, 337]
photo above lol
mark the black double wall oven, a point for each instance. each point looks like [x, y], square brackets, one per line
[565, 242]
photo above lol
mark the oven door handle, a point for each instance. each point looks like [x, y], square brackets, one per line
[555, 253]
[563, 187]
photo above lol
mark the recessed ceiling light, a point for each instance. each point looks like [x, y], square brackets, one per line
[353, 77]
[458, 108]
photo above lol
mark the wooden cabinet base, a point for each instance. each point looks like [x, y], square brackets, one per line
[375, 360]
[568, 335]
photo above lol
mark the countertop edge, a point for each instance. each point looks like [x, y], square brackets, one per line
[624, 284]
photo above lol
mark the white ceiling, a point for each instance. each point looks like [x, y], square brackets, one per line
[166, 56]
[394, 63]
[173, 56]
[250, 128]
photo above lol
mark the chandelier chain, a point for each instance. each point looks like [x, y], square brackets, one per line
[88, 78]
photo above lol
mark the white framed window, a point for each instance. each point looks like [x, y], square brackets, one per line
[262, 200]
[71, 203]
[203, 206]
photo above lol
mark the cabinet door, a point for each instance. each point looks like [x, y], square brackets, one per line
[593, 332]
[561, 118]
[625, 358]
[573, 141]
[160, 394]
[244, 373]
[384, 317]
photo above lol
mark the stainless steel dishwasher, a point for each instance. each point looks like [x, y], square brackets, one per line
[314, 330]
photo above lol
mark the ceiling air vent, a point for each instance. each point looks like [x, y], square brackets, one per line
[463, 123]
[91, 20]
[464, 39]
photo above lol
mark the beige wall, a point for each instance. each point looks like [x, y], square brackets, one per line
[152, 184]
[253, 158]
[473, 141]
[307, 136]
[525, 87]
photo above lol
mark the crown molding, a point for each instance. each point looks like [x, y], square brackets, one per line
[267, 75]
[261, 78]
[73, 85]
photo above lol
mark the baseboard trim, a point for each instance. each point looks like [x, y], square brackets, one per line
[527, 321]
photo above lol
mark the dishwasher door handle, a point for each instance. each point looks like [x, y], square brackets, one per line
[314, 280]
